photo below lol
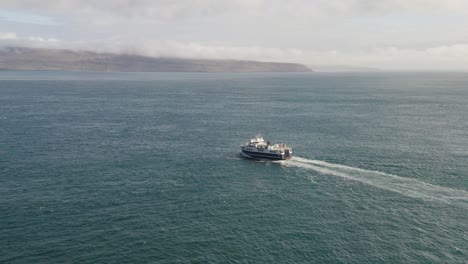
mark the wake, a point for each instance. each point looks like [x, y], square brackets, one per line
[405, 186]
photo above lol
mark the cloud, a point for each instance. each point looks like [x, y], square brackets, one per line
[442, 57]
[376, 33]
[129, 9]
[41, 39]
[25, 17]
[12, 39]
[199, 50]
[165, 48]
[156, 48]
[446, 57]
[7, 36]
[417, 6]
[168, 9]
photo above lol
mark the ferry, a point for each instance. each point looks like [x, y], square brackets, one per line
[258, 148]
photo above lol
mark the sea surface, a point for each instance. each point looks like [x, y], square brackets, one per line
[144, 168]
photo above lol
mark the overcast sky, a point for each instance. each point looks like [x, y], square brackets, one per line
[386, 34]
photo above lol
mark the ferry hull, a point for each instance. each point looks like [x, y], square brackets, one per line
[256, 155]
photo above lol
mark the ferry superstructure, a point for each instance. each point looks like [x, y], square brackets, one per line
[258, 148]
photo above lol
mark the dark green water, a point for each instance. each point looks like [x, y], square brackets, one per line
[143, 168]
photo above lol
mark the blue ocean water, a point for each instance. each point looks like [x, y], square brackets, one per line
[144, 168]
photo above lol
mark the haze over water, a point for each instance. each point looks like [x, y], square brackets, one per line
[144, 167]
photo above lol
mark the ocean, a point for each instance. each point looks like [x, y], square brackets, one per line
[144, 168]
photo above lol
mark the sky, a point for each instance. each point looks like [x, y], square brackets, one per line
[384, 34]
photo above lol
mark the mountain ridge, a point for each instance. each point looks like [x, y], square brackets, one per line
[22, 58]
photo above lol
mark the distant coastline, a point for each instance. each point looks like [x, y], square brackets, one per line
[342, 68]
[39, 59]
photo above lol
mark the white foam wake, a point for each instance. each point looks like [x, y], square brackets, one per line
[406, 186]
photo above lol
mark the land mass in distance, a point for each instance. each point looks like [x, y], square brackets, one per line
[22, 58]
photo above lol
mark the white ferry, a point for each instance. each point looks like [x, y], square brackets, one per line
[258, 148]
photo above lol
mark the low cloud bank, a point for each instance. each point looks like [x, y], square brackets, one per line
[444, 57]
